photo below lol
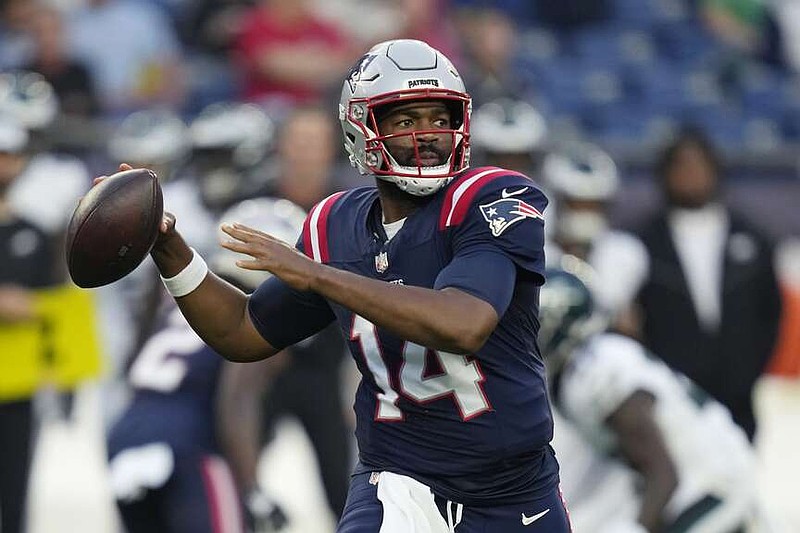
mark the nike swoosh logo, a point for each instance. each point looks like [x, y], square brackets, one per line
[528, 520]
[506, 194]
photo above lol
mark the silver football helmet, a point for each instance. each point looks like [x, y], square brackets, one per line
[229, 141]
[276, 216]
[581, 171]
[583, 179]
[242, 129]
[390, 73]
[151, 137]
[508, 126]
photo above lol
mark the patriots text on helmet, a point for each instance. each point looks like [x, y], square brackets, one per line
[425, 82]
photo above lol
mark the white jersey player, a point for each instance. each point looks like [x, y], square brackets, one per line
[695, 467]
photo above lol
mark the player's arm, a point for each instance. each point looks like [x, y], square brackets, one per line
[239, 414]
[642, 445]
[448, 319]
[216, 310]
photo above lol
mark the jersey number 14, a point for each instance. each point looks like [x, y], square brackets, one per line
[461, 378]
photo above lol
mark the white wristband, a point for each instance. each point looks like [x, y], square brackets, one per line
[187, 279]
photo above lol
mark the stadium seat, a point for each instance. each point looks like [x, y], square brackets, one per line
[684, 42]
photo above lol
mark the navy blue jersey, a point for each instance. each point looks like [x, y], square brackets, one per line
[476, 428]
[174, 380]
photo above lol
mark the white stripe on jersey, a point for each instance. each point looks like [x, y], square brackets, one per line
[459, 192]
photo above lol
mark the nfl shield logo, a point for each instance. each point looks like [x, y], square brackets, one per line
[382, 262]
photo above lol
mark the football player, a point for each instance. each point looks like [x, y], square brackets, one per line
[183, 455]
[695, 467]
[31, 101]
[433, 275]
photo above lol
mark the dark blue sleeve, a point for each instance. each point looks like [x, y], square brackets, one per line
[506, 217]
[499, 240]
[485, 274]
[284, 316]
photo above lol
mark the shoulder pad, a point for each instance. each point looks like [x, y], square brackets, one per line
[462, 192]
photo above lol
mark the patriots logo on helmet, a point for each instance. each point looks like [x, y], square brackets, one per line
[354, 76]
[504, 212]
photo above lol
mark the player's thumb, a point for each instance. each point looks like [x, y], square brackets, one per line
[125, 166]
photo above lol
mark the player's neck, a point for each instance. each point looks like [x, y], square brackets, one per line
[397, 204]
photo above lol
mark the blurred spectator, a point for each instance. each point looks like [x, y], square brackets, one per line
[212, 26]
[737, 23]
[71, 80]
[368, 21]
[288, 55]
[132, 53]
[208, 30]
[704, 281]
[490, 40]
[305, 164]
[521, 11]
[27, 259]
[748, 27]
[429, 21]
[16, 43]
[306, 175]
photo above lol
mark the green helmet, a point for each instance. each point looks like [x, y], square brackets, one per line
[567, 311]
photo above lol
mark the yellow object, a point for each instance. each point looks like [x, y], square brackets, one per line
[22, 366]
[60, 347]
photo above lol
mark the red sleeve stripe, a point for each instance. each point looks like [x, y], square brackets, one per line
[315, 229]
[460, 196]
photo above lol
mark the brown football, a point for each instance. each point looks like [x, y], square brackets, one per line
[114, 227]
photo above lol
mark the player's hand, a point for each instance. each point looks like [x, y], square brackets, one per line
[264, 514]
[167, 228]
[122, 167]
[270, 254]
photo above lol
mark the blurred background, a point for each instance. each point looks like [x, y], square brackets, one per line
[230, 100]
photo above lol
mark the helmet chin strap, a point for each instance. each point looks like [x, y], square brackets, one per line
[425, 186]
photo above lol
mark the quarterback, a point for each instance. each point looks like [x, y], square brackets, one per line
[432, 273]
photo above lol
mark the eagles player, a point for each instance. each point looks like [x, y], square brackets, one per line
[433, 275]
[695, 466]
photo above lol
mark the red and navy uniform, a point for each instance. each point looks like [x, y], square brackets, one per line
[174, 381]
[475, 428]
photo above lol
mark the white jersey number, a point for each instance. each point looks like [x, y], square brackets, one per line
[158, 366]
[461, 378]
